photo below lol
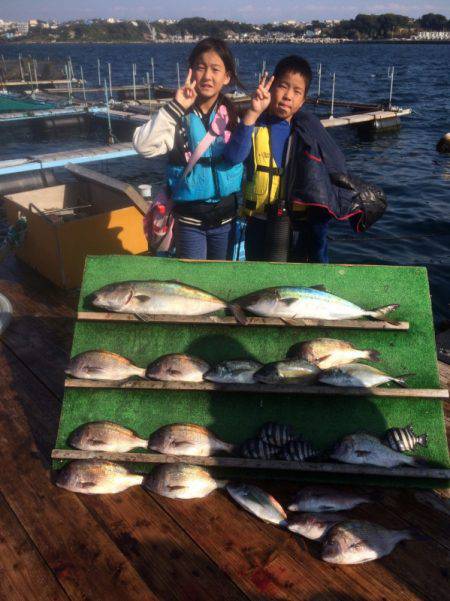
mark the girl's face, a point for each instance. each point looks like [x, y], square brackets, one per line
[209, 74]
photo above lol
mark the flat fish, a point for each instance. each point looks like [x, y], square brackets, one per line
[330, 352]
[187, 439]
[256, 448]
[298, 450]
[289, 371]
[239, 371]
[290, 302]
[404, 439]
[317, 498]
[106, 436]
[96, 477]
[314, 526]
[358, 375]
[276, 434]
[258, 502]
[103, 365]
[358, 541]
[181, 481]
[365, 449]
[177, 367]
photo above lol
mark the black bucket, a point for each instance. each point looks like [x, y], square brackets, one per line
[278, 238]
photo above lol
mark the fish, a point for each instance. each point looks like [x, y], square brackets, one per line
[256, 448]
[298, 450]
[358, 375]
[330, 352]
[154, 297]
[187, 439]
[291, 302]
[276, 434]
[316, 498]
[240, 371]
[358, 541]
[181, 481]
[106, 436]
[103, 365]
[258, 502]
[289, 371]
[314, 525]
[96, 477]
[365, 449]
[177, 367]
[404, 439]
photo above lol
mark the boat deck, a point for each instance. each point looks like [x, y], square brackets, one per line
[57, 545]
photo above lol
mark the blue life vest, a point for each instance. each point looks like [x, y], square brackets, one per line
[212, 178]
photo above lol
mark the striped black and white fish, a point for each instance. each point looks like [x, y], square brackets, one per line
[276, 434]
[298, 450]
[404, 439]
[255, 448]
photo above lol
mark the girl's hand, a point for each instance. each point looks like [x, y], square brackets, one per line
[260, 99]
[187, 94]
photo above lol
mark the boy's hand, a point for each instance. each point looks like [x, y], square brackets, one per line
[187, 94]
[259, 101]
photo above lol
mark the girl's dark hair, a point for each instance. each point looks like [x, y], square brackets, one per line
[222, 49]
[294, 64]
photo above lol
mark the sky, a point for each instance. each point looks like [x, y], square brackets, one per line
[251, 11]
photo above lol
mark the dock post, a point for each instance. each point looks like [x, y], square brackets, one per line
[178, 76]
[111, 138]
[110, 80]
[391, 88]
[31, 77]
[82, 83]
[319, 75]
[98, 73]
[35, 73]
[332, 97]
[153, 69]
[21, 68]
[134, 81]
[149, 94]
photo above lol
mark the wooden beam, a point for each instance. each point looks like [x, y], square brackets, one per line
[260, 464]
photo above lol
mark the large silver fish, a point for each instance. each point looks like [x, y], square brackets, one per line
[177, 367]
[365, 449]
[358, 541]
[187, 439]
[106, 436]
[291, 302]
[358, 375]
[317, 498]
[314, 525]
[277, 434]
[404, 439]
[240, 371]
[154, 297]
[258, 502]
[289, 371]
[103, 365]
[96, 477]
[181, 481]
[330, 352]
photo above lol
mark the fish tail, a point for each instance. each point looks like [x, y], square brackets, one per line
[222, 483]
[229, 447]
[381, 312]
[238, 313]
[141, 372]
[417, 461]
[401, 380]
[422, 440]
[283, 524]
[415, 534]
[372, 355]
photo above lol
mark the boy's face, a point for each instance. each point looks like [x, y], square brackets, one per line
[288, 95]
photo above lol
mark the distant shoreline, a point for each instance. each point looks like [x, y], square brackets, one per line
[122, 42]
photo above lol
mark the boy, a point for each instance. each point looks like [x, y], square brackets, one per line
[294, 165]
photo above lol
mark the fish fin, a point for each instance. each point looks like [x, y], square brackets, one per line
[381, 312]
[288, 301]
[142, 316]
[419, 461]
[222, 483]
[422, 440]
[401, 380]
[373, 355]
[238, 313]
[323, 361]
[176, 487]
[320, 287]
[362, 453]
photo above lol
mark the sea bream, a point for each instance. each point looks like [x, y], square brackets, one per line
[358, 541]
[238, 371]
[291, 302]
[103, 365]
[187, 439]
[330, 352]
[106, 436]
[154, 297]
[314, 525]
[358, 375]
[318, 498]
[96, 477]
[289, 371]
[177, 367]
[258, 502]
[181, 481]
[365, 449]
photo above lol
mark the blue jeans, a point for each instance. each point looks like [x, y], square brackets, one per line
[213, 243]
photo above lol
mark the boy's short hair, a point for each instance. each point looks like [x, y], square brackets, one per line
[294, 64]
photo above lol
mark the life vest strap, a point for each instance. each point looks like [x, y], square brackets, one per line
[272, 170]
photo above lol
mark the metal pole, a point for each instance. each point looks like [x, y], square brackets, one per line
[35, 73]
[392, 87]
[332, 96]
[31, 78]
[98, 72]
[21, 68]
[82, 83]
[134, 81]
[263, 68]
[149, 88]
[319, 73]
[110, 134]
[110, 80]
[153, 69]
[178, 75]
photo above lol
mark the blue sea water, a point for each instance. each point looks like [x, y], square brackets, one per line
[416, 228]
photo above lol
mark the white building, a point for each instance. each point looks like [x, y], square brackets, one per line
[432, 35]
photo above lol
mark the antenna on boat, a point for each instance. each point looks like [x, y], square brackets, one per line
[332, 97]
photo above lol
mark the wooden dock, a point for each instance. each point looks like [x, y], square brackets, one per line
[135, 545]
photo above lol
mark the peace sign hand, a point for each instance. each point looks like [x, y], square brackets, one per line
[187, 94]
[261, 98]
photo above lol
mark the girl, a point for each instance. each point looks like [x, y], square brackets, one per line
[202, 185]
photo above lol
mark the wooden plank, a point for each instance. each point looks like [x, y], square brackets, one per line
[419, 393]
[24, 575]
[364, 118]
[260, 464]
[359, 324]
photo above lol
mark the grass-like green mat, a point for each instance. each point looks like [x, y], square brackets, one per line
[235, 417]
